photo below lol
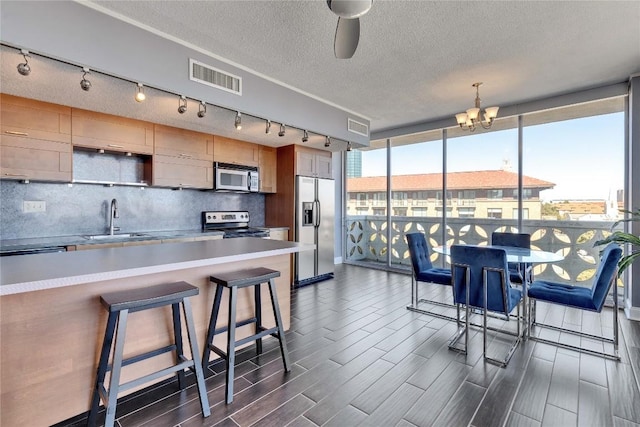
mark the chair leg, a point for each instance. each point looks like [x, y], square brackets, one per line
[193, 343]
[114, 381]
[215, 309]
[615, 318]
[102, 368]
[258, 313]
[231, 343]
[177, 339]
[280, 326]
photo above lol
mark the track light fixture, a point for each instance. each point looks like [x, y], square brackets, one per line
[282, 130]
[182, 104]
[267, 128]
[348, 145]
[202, 109]
[23, 67]
[140, 96]
[238, 122]
[327, 141]
[84, 83]
[305, 136]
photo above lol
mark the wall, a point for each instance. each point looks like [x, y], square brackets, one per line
[84, 208]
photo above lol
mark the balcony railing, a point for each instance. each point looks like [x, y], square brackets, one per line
[367, 241]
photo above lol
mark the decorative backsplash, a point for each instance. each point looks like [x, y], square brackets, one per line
[84, 208]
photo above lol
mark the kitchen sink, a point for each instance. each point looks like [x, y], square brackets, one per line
[114, 236]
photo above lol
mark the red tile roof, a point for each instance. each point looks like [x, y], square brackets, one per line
[472, 180]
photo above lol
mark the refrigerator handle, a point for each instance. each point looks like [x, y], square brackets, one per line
[316, 221]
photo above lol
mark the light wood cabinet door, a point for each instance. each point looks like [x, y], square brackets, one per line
[35, 142]
[182, 158]
[183, 143]
[324, 165]
[228, 150]
[268, 169]
[180, 172]
[315, 163]
[112, 133]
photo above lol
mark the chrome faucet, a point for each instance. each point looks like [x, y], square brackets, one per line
[113, 214]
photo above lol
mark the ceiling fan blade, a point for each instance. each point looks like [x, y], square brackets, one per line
[347, 37]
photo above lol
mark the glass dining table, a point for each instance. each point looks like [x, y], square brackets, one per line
[522, 256]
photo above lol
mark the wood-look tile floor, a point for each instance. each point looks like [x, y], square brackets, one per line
[359, 357]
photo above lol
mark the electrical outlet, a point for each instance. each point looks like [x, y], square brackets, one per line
[31, 206]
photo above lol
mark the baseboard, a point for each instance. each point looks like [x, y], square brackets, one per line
[632, 313]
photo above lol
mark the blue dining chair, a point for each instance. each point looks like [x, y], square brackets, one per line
[424, 271]
[582, 298]
[480, 277]
[517, 272]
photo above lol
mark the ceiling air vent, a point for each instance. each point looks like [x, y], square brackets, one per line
[357, 127]
[210, 76]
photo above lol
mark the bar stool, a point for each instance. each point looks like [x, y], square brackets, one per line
[232, 281]
[120, 304]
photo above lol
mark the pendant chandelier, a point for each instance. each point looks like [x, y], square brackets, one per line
[471, 118]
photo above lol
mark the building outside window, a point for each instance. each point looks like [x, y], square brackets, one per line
[494, 194]
[419, 211]
[400, 211]
[495, 213]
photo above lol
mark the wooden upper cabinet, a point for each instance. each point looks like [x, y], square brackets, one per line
[182, 158]
[315, 163]
[36, 140]
[183, 143]
[228, 150]
[113, 133]
[268, 169]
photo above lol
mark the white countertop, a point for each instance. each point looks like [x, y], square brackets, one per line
[28, 273]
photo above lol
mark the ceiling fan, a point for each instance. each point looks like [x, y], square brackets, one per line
[348, 29]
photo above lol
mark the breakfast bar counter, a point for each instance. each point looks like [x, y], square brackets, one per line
[53, 323]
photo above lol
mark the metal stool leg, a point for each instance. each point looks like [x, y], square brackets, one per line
[177, 339]
[197, 367]
[102, 368]
[231, 343]
[114, 381]
[258, 314]
[215, 309]
[281, 338]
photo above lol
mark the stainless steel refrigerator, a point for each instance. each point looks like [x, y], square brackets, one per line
[315, 216]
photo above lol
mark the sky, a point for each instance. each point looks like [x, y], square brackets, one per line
[583, 157]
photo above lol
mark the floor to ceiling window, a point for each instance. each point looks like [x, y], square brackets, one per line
[571, 194]
[580, 150]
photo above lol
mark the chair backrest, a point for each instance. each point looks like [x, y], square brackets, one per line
[467, 263]
[419, 251]
[605, 275]
[518, 240]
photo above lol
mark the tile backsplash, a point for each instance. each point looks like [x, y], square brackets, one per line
[84, 208]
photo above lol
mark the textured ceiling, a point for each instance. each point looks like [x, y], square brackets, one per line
[417, 59]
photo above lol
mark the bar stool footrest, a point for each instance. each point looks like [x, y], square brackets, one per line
[155, 375]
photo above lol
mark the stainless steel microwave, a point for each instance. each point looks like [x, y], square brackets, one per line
[231, 177]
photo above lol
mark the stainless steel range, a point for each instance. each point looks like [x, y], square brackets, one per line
[232, 223]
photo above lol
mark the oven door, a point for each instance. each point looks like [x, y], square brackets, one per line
[232, 180]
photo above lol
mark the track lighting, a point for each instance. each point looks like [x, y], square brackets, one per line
[140, 96]
[305, 136]
[348, 145]
[202, 109]
[327, 141]
[23, 67]
[84, 83]
[282, 130]
[267, 128]
[238, 122]
[182, 104]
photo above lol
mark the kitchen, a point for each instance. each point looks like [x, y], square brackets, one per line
[113, 180]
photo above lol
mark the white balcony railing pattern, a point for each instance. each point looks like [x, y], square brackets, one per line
[367, 241]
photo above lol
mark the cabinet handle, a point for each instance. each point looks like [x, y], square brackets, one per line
[185, 155]
[15, 174]
[115, 146]
[13, 132]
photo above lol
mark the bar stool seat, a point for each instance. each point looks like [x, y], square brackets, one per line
[119, 304]
[233, 281]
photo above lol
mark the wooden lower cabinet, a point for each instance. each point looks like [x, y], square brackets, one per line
[279, 234]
